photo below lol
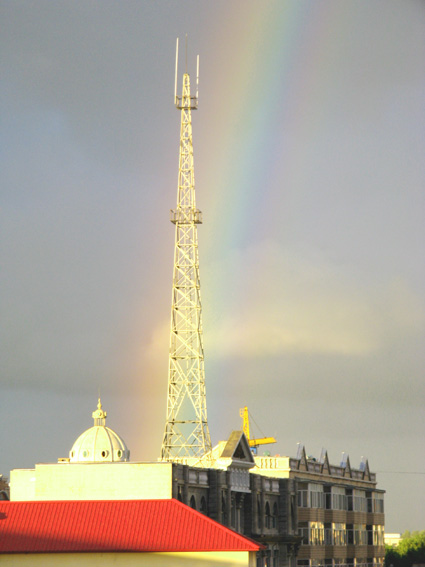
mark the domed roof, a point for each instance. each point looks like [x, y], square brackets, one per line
[99, 444]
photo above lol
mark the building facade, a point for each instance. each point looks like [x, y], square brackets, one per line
[340, 510]
[228, 491]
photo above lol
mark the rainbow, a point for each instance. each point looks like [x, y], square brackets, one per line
[269, 86]
[263, 93]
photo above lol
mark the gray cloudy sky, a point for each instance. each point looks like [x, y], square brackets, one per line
[309, 144]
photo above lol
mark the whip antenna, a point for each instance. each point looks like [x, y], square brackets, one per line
[177, 62]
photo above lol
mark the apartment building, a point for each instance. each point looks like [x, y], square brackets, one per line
[340, 516]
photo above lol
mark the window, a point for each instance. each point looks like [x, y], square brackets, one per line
[316, 496]
[223, 511]
[360, 534]
[311, 496]
[203, 507]
[293, 515]
[377, 503]
[258, 513]
[328, 534]
[192, 503]
[268, 516]
[378, 535]
[233, 514]
[316, 533]
[339, 536]
[275, 515]
[303, 498]
[359, 501]
[338, 498]
[303, 532]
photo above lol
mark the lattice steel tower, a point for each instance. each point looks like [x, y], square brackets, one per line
[186, 429]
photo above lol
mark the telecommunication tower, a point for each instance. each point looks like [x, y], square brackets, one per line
[186, 429]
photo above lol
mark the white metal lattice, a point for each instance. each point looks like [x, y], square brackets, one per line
[186, 429]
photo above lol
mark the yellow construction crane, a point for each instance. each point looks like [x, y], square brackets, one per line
[254, 443]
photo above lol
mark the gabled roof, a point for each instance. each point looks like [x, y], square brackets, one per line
[235, 452]
[112, 526]
[345, 464]
[324, 461]
[302, 458]
[237, 449]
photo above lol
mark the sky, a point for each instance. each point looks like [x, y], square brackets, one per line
[308, 145]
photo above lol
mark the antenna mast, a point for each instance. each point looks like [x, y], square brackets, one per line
[186, 429]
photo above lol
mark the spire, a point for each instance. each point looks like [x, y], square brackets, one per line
[99, 415]
[186, 429]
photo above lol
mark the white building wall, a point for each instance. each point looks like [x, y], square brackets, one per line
[178, 559]
[22, 483]
[92, 481]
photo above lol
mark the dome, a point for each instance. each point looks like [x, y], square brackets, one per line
[99, 444]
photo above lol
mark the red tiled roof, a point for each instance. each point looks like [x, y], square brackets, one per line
[107, 526]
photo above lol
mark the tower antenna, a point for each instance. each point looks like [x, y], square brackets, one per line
[197, 77]
[177, 63]
[186, 54]
[186, 429]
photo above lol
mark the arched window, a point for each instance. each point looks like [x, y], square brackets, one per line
[223, 511]
[233, 512]
[259, 522]
[203, 508]
[192, 502]
[274, 517]
[268, 515]
[293, 515]
[179, 494]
